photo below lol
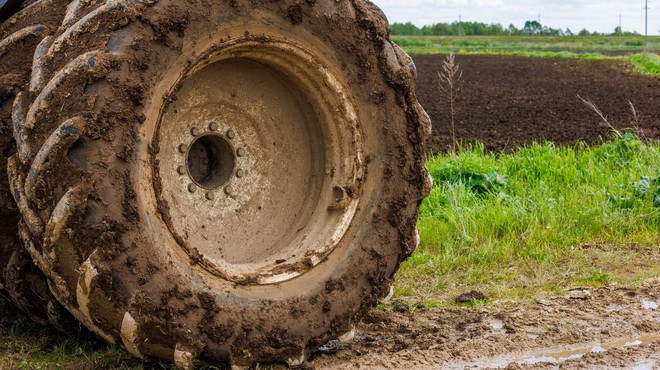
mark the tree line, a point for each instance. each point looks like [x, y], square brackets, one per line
[531, 28]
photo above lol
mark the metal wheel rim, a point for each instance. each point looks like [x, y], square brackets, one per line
[292, 190]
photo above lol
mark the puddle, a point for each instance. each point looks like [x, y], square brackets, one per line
[554, 357]
[552, 360]
[650, 365]
[579, 352]
[649, 305]
[496, 324]
[613, 308]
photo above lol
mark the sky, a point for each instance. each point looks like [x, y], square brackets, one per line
[594, 15]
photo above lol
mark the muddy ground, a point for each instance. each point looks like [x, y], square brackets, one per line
[505, 102]
[609, 327]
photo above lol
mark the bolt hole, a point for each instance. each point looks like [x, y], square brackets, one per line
[210, 161]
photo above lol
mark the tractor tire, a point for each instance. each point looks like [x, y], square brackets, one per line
[21, 282]
[220, 182]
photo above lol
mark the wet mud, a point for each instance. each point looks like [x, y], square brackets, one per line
[613, 326]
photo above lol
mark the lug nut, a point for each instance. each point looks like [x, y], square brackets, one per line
[240, 173]
[182, 148]
[240, 152]
[181, 170]
[210, 195]
[195, 131]
[229, 190]
[213, 126]
[192, 188]
[231, 134]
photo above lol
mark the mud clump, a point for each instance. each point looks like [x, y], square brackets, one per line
[472, 296]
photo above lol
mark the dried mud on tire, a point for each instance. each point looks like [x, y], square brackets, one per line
[614, 326]
[508, 101]
[117, 148]
[20, 280]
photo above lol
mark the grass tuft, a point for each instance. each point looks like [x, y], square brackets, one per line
[646, 63]
[541, 217]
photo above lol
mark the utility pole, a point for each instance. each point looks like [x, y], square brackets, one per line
[460, 23]
[620, 29]
[646, 25]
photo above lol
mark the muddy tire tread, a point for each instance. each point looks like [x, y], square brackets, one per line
[30, 31]
[26, 285]
[44, 226]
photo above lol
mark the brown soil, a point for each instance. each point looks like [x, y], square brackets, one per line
[614, 326]
[505, 102]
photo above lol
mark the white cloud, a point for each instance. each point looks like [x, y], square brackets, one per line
[601, 16]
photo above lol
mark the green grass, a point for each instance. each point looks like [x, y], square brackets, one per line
[647, 63]
[603, 45]
[540, 218]
[26, 345]
[644, 58]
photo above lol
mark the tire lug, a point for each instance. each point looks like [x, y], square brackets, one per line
[240, 152]
[213, 126]
[210, 195]
[181, 170]
[240, 173]
[182, 148]
[192, 188]
[231, 134]
[195, 131]
[229, 190]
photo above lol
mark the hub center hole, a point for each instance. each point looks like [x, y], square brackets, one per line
[211, 161]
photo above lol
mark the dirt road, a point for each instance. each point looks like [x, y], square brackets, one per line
[610, 327]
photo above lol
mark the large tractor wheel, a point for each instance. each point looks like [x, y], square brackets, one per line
[224, 181]
[20, 280]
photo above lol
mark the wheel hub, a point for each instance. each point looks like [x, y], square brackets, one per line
[210, 160]
[259, 162]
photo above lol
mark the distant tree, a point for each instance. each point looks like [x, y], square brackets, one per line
[532, 28]
[584, 32]
[496, 29]
[444, 29]
[480, 29]
[407, 29]
[617, 31]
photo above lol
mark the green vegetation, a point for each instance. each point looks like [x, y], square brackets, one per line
[602, 45]
[540, 218]
[644, 58]
[26, 345]
[647, 63]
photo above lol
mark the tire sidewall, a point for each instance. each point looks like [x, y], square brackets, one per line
[174, 306]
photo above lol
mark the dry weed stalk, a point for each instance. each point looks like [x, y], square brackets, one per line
[635, 123]
[450, 77]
